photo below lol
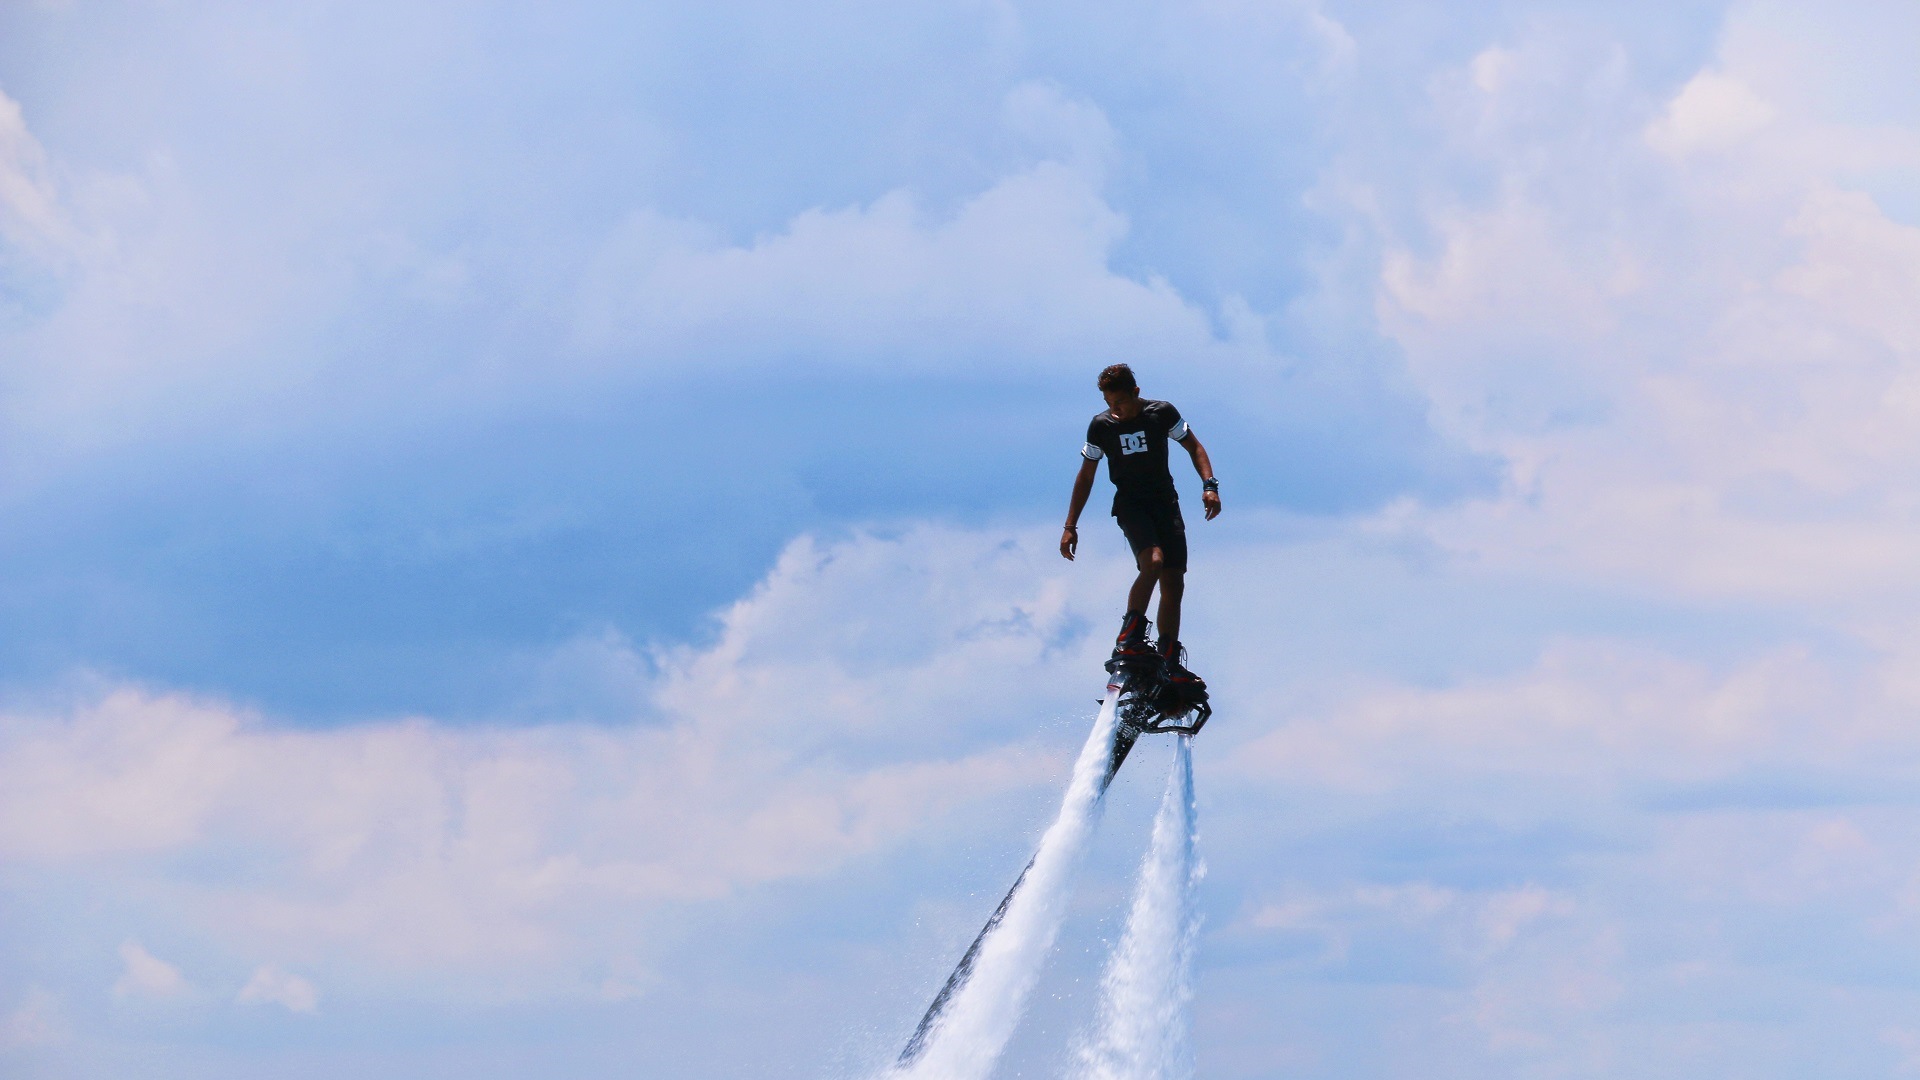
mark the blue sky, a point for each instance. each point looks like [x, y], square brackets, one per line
[526, 535]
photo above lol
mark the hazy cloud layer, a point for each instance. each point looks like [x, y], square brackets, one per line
[1680, 324]
[1531, 865]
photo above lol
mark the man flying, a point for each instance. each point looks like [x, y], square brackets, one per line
[1132, 434]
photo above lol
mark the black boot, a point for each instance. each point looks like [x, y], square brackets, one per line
[1131, 650]
[1186, 684]
[1180, 697]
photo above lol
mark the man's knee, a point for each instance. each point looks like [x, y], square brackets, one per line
[1152, 563]
[1172, 581]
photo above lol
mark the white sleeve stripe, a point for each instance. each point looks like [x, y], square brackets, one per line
[1178, 431]
[1090, 452]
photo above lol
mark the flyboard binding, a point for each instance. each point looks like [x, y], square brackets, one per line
[1153, 697]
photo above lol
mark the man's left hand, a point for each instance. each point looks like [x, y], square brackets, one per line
[1211, 500]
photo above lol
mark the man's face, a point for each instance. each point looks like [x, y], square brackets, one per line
[1118, 398]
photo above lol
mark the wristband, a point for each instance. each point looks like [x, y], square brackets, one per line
[1071, 528]
[1211, 483]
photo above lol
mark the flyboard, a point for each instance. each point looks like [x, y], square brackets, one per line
[1145, 703]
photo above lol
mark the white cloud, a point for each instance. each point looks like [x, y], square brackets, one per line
[31, 217]
[132, 774]
[1019, 271]
[1701, 377]
[1664, 790]
[524, 860]
[815, 729]
[178, 330]
[140, 322]
[1712, 112]
[36, 1022]
[147, 976]
[1473, 925]
[1594, 722]
[1684, 828]
[413, 845]
[272, 986]
[1073, 132]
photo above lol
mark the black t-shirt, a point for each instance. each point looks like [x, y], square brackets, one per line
[1136, 450]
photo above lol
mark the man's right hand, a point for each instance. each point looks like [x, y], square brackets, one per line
[1069, 541]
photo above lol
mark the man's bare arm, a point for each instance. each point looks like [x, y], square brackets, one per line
[1203, 465]
[1082, 487]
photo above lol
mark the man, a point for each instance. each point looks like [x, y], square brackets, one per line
[1132, 434]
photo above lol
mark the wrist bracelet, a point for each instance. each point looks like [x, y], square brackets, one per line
[1211, 483]
[1071, 528]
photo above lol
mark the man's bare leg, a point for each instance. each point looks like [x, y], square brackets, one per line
[1151, 565]
[1173, 586]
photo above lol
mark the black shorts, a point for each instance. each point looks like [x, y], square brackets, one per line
[1154, 524]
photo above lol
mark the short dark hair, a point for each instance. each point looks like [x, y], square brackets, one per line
[1117, 377]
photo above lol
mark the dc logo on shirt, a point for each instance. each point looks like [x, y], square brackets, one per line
[1133, 442]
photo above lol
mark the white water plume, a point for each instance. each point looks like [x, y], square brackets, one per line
[1144, 1024]
[975, 1027]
